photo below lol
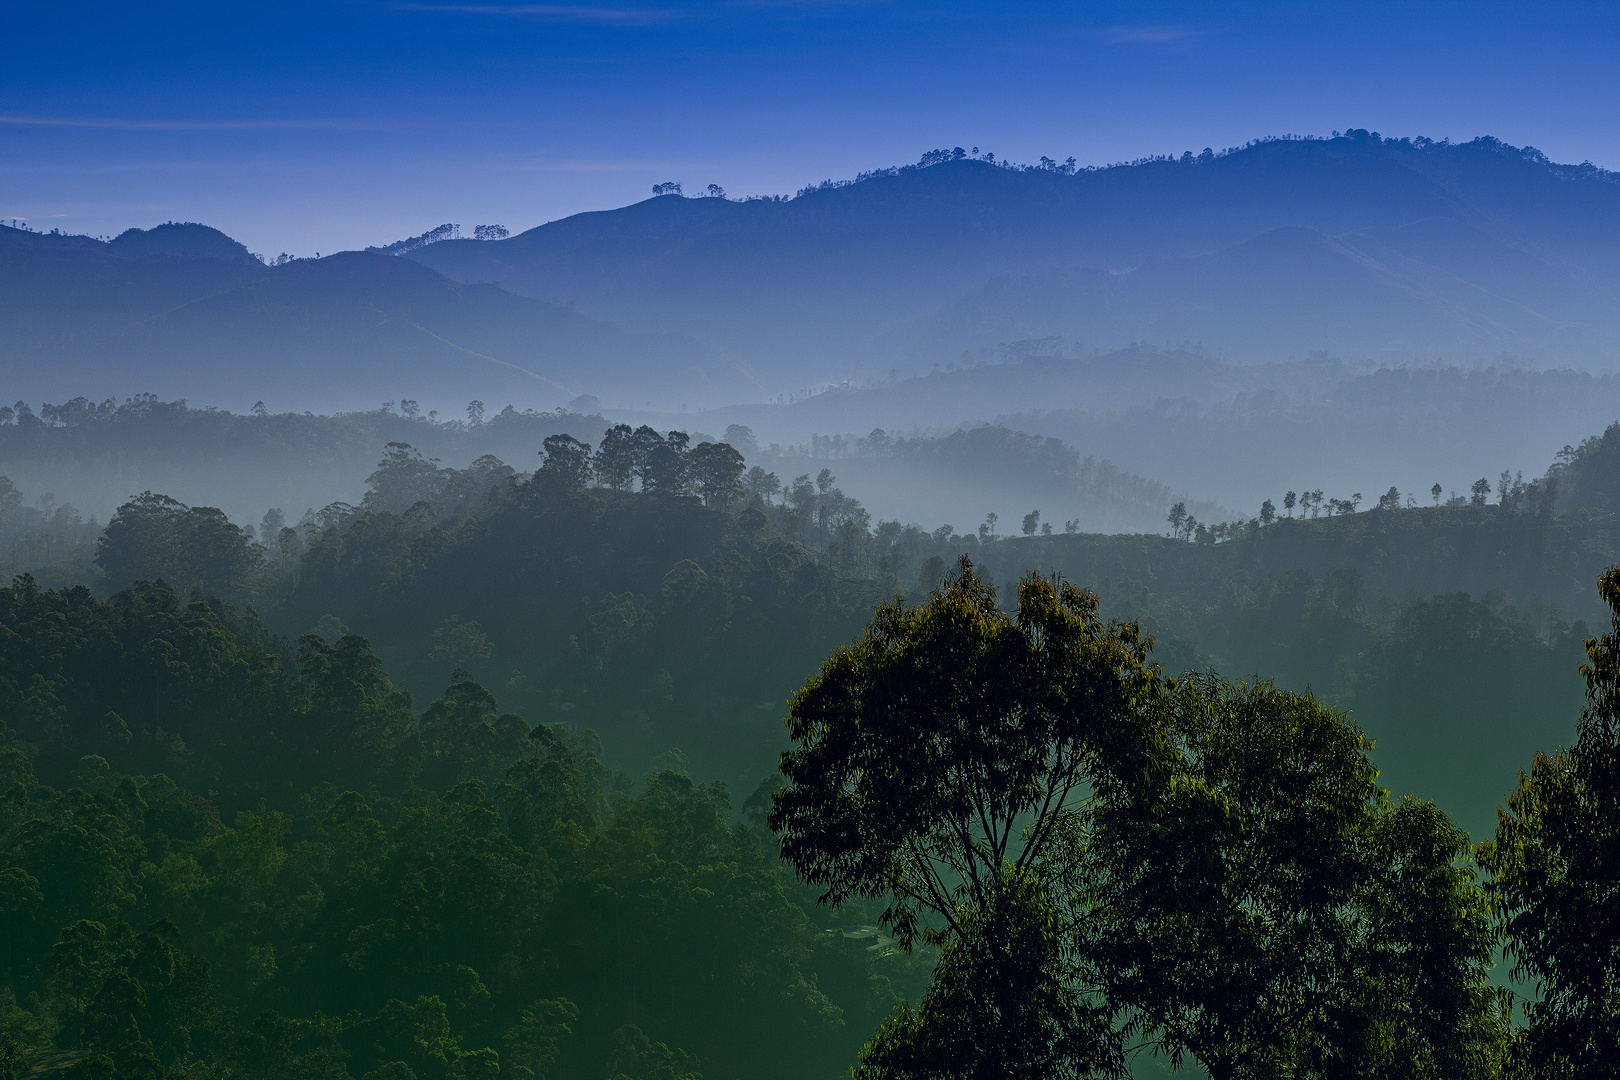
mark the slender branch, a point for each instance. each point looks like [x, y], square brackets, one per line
[989, 833]
[1044, 822]
[968, 845]
[935, 887]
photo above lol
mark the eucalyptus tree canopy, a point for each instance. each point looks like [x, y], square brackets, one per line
[1277, 915]
[1555, 867]
[940, 763]
[1107, 856]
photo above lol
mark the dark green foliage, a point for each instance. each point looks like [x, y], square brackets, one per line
[1277, 916]
[1555, 863]
[335, 883]
[636, 1057]
[936, 756]
[1588, 476]
[716, 470]
[638, 614]
[140, 680]
[1434, 628]
[353, 721]
[153, 537]
[1003, 1003]
[1103, 852]
[568, 463]
[517, 924]
[390, 894]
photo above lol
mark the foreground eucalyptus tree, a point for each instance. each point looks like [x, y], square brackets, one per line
[1278, 916]
[1555, 866]
[944, 762]
[1105, 856]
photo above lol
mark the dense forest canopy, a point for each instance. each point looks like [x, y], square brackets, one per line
[1327, 593]
[477, 773]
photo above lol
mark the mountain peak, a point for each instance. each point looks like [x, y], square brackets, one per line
[184, 238]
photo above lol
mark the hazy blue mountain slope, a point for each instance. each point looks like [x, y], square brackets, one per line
[1372, 247]
[959, 478]
[1367, 249]
[1432, 288]
[1410, 429]
[1230, 433]
[82, 317]
[58, 292]
[393, 324]
[1035, 375]
[1279, 293]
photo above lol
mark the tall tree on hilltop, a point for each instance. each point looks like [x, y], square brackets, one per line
[567, 462]
[616, 458]
[403, 478]
[716, 470]
[644, 441]
[666, 470]
[141, 541]
[154, 537]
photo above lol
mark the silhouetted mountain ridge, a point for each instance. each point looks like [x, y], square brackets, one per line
[1375, 248]
[1368, 249]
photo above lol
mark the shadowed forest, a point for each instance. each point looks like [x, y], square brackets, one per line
[486, 771]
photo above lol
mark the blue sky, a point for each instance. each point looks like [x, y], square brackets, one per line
[317, 127]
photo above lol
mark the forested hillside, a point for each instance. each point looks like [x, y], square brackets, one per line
[1227, 432]
[472, 777]
[93, 456]
[594, 597]
[986, 468]
[226, 854]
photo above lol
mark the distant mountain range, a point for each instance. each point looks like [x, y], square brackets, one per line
[184, 311]
[1367, 249]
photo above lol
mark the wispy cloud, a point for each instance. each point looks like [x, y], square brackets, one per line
[1142, 35]
[19, 120]
[560, 12]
